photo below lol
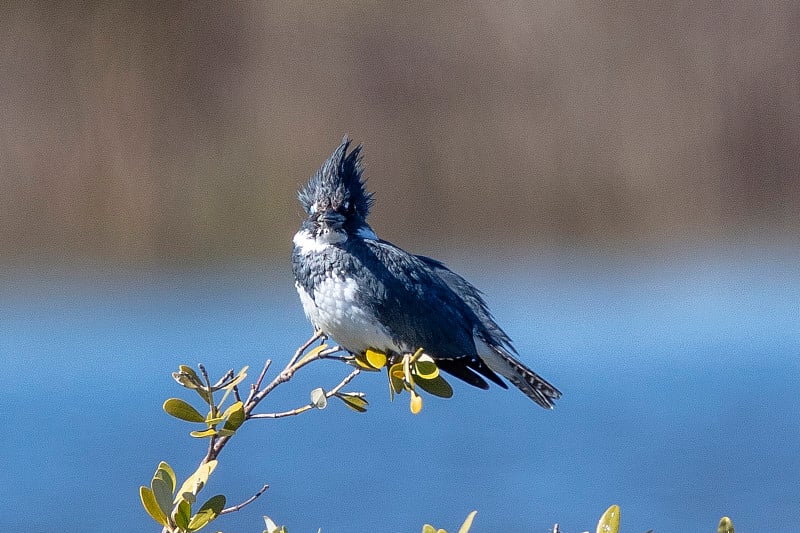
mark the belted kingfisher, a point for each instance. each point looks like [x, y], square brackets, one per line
[366, 293]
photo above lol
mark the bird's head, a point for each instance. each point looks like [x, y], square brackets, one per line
[335, 199]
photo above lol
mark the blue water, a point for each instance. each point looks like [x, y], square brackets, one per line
[679, 373]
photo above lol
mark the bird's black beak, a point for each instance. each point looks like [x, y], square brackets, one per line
[331, 219]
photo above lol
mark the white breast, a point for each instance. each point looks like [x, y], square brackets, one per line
[335, 309]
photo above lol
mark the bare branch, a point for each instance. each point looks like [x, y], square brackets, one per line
[248, 501]
[308, 406]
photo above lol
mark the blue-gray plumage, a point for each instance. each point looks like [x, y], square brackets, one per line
[365, 292]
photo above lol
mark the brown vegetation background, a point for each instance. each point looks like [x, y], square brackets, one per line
[180, 131]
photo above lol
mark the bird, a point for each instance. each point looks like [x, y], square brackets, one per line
[366, 293]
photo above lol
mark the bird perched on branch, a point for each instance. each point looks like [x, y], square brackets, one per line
[366, 293]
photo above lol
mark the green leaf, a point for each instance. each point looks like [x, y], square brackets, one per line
[183, 512]
[318, 398]
[206, 433]
[425, 368]
[396, 377]
[162, 494]
[168, 475]
[609, 522]
[213, 420]
[237, 379]
[151, 506]
[465, 527]
[725, 525]
[354, 400]
[427, 528]
[313, 353]
[187, 377]
[196, 481]
[437, 386]
[208, 512]
[182, 410]
[234, 416]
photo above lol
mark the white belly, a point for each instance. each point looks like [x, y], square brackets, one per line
[335, 310]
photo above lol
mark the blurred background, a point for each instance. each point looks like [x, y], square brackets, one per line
[621, 180]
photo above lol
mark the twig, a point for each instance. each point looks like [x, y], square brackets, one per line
[308, 406]
[221, 381]
[257, 385]
[248, 501]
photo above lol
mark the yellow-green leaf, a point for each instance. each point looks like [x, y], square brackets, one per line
[437, 386]
[187, 377]
[425, 367]
[725, 525]
[183, 513]
[354, 401]
[168, 475]
[396, 378]
[416, 402]
[375, 358]
[609, 522]
[162, 494]
[234, 416]
[151, 506]
[208, 512]
[182, 410]
[206, 433]
[427, 528]
[313, 353]
[197, 480]
[465, 527]
[238, 379]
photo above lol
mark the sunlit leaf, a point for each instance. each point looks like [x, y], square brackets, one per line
[187, 377]
[427, 528]
[169, 475]
[237, 379]
[183, 513]
[272, 527]
[197, 480]
[204, 434]
[438, 387]
[182, 410]
[416, 402]
[725, 525]
[208, 512]
[609, 522]
[312, 353]
[318, 398]
[407, 370]
[213, 420]
[234, 416]
[354, 400]
[426, 368]
[465, 527]
[375, 358]
[151, 505]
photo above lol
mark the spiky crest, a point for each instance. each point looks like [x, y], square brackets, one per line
[338, 184]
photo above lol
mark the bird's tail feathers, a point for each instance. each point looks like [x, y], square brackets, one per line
[529, 382]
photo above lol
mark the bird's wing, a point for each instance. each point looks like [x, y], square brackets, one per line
[493, 345]
[473, 297]
[425, 311]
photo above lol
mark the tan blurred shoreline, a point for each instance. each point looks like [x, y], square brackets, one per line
[162, 132]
